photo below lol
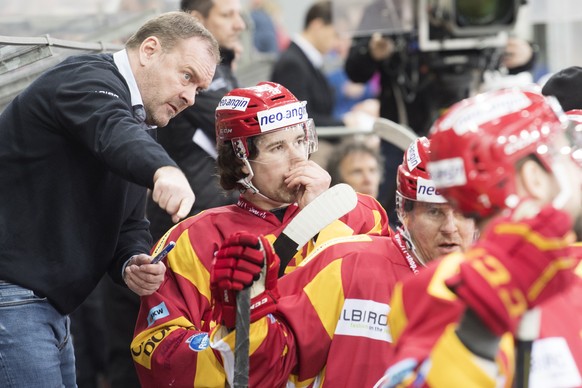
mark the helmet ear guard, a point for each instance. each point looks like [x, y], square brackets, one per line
[240, 148]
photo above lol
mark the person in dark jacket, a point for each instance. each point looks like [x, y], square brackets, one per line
[417, 86]
[299, 67]
[76, 157]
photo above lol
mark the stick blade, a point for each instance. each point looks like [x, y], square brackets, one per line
[394, 133]
[322, 211]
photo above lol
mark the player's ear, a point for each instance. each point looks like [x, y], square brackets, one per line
[535, 181]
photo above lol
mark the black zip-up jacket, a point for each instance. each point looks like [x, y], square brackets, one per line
[74, 164]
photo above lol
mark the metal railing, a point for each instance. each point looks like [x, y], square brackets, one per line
[23, 59]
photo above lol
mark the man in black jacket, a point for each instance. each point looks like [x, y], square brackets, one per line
[299, 67]
[76, 157]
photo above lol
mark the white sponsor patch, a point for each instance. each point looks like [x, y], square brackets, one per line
[364, 318]
[412, 157]
[282, 116]
[518, 143]
[234, 103]
[468, 118]
[427, 192]
[553, 364]
[448, 172]
[157, 312]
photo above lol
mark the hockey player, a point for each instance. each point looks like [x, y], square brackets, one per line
[508, 159]
[265, 137]
[430, 226]
[330, 324]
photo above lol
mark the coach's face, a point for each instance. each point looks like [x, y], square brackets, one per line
[170, 79]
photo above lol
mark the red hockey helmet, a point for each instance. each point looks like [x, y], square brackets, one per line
[252, 111]
[412, 180]
[476, 144]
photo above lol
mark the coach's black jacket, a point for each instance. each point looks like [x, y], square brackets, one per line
[72, 160]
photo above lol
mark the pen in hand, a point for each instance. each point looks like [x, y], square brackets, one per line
[160, 256]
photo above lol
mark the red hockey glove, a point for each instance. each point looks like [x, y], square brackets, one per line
[244, 260]
[515, 266]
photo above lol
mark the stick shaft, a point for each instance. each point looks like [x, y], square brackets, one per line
[241, 346]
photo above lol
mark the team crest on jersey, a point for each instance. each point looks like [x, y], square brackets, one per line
[198, 342]
[364, 318]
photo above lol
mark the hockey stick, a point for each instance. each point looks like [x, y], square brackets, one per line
[322, 211]
[394, 133]
[527, 332]
[241, 341]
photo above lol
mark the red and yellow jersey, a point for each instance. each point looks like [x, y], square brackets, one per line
[557, 354]
[422, 307]
[331, 325]
[179, 313]
[424, 317]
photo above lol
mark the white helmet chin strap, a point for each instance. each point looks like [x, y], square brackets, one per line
[247, 183]
[410, 245]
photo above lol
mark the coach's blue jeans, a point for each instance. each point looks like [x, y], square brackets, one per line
[35, 341]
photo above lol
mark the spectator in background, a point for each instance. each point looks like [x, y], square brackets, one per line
[566, 86]
[358, 165]
[299, 68]
[416, 86]
[264, 29]
[348, 94]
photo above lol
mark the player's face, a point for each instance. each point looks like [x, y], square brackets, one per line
[170, 79]
[278, 153]
[436, 229]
